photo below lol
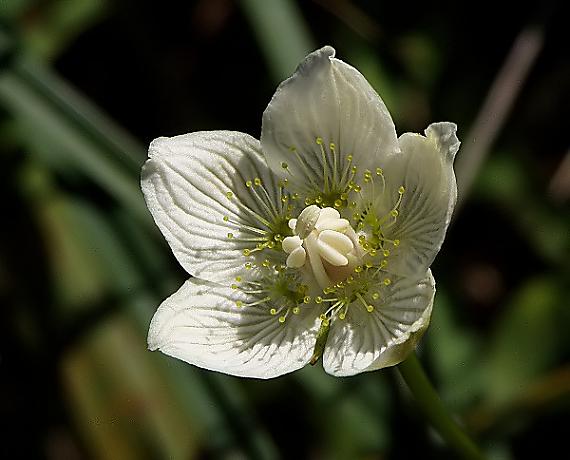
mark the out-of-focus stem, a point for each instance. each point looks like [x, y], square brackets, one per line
[433, 408]
[495, 109]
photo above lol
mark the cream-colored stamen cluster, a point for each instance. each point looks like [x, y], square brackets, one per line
[326, 240]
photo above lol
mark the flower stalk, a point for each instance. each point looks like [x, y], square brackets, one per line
[431, 405]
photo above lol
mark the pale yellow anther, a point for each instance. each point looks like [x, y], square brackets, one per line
[334, 246]
[297, 258]
[323, 243]
[307, 220]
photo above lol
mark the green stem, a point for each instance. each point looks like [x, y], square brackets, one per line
[433, 408]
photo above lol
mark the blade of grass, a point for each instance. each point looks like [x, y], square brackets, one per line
[281, 34]
[113, 141]
[44, 125]
[496, 108]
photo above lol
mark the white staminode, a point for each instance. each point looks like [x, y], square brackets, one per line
[325, 236]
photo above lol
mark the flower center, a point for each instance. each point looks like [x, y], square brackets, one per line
[322, 243]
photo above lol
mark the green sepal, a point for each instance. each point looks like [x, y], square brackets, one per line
[322, 336]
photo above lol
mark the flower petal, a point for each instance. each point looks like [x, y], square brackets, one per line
[325, 101]
[195, 188]
[425, 170]
[366, 341]
[202, 325]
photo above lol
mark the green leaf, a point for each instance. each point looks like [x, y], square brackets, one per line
[528, 340]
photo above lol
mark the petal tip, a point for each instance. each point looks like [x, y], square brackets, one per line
[445, 135]
[157, 146]
[158, 329]
[316, 58]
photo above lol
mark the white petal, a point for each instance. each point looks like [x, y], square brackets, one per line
[185, 182]
[290, 243]
[425, 169]
[297, 258]
[369, 341]
[202, 325]
[330, 100]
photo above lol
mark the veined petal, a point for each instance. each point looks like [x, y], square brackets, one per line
[202, 325]
[196, 187]
[318, 117]
[367, 341]
[425, 170]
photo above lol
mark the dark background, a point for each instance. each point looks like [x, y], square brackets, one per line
[85, 85]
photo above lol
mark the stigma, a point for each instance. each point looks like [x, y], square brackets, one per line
[322, 243]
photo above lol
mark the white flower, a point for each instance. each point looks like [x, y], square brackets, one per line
[316, 240]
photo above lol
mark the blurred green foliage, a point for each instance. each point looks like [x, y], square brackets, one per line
[82, 266]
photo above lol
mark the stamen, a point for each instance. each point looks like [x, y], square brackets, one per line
[304, 166]
[319, 141]
[369, 308]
